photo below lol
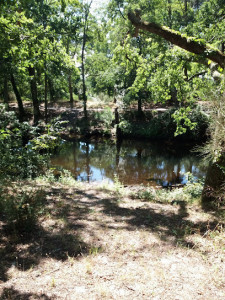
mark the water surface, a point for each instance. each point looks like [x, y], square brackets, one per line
[132, 162]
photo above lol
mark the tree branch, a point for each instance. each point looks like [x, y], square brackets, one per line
[188, 43]
[196, 75]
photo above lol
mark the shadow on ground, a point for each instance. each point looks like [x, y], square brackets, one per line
[10, 293]
[165, 224]
[170, 226]
[26, 251]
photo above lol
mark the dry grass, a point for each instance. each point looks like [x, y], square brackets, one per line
[93, 243]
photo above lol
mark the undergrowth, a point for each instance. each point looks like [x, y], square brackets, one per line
[21, 206]
[189, 193]
[61, 176]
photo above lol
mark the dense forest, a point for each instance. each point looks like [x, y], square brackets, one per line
[84, 70]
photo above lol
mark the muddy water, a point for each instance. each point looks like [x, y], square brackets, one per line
[132, 162]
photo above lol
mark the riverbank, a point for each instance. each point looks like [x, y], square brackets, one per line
[101, 242]
[154, 123]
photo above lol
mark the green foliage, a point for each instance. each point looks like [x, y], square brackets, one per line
[50, 139]
[118, 186]
[21, 207]
[145, 194]
[61, 176]
[214, 149]
[190, 192]
[17, 159]
[161, 125]
[21, 147]
[106, 117]
[156, 125]
[182, 119]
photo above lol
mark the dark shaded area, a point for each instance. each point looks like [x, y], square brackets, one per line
[170, 227]
[59, 246]
[213, 191]
[12, 294]
[156, 123]
[26, 249]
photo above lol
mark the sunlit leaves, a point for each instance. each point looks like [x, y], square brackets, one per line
[182, 119]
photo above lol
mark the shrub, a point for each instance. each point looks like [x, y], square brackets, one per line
[23, 150]
[21, 208]
[105, 116]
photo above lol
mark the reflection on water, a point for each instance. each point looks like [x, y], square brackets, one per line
[133, 162]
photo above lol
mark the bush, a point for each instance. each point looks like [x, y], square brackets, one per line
[161, 125]
[23, 150]
[21, 208]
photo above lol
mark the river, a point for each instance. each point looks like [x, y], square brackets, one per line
[132, 162]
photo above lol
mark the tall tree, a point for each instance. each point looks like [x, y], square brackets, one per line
[85, 16]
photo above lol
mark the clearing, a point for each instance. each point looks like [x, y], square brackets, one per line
[97, 242]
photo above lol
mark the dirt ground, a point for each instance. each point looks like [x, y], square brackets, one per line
[96, 243]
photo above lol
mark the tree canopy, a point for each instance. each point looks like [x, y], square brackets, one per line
[163, 51]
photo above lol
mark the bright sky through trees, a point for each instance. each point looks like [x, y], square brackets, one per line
[97, 4]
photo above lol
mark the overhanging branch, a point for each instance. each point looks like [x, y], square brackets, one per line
[188, 43]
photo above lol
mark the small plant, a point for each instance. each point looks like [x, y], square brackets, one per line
[62, 176]
[53, 282]
[95, 250]
[146, 194]
[106, 117]
[193, 188]
[22, 208]
[67, 178]
[118, 186]
[166, 196]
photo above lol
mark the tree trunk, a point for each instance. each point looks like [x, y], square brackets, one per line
[51, 91]
[118, 148]
[188, 43]
[18, 98]
[33, 86]
[6, 93]
[117, 121]
[84, 96]
[139, 106]
[170, 13]
[46, 98]
[88, 169]
[70, 91]
[197, 4]
[118, 130]
[213, 187]
[185, 8]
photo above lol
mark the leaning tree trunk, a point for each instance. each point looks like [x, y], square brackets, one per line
[18, 98]
[190, 44]
[33, 86]
[214, 185]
